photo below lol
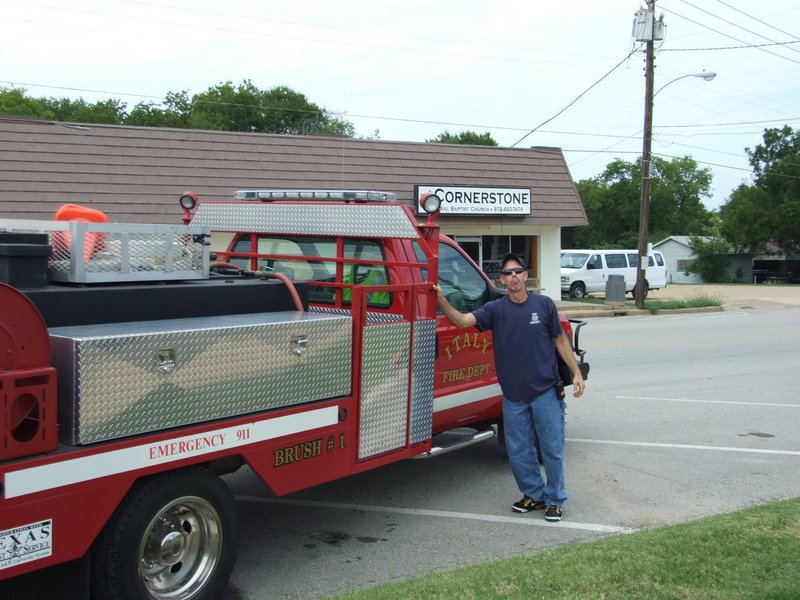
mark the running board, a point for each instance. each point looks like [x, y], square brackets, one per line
[453, 440]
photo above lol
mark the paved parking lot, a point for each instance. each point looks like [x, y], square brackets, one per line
[684, 416]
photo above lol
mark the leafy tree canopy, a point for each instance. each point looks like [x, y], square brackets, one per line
[13, 101]
[80, 111]
[465, 137]
[768, 212]
[611, 201]
[712, 254]
[221, 107]
[246, 108]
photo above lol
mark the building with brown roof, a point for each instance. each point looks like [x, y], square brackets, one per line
[496, 199]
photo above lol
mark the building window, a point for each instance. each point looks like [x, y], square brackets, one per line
[495, 247]
[684, 264]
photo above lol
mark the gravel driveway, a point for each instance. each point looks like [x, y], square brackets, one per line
[733, 296]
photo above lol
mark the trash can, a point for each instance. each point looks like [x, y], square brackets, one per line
[615, 289]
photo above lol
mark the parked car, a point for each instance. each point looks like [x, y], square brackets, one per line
[762, 275]
[587, 271]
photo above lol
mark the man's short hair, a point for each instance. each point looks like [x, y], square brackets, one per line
[512, 256]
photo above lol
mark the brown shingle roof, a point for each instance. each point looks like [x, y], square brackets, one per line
[136, 174]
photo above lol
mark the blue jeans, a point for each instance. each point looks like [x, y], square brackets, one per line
[547, 412]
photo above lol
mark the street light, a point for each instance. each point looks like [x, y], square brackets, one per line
[704, 75]
[644, 206]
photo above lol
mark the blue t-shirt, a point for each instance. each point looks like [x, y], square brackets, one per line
[524, 343]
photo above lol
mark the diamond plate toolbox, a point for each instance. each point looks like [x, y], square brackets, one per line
[117, 380]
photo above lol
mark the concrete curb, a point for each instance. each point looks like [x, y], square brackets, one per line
[622, 311]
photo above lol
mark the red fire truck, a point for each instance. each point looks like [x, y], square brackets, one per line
[294, 332]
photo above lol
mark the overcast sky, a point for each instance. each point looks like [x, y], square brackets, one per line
[412, 69]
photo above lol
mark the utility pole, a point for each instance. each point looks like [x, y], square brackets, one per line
[644, 206]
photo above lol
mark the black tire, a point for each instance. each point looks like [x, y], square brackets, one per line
[577, 290]
[174, 536]
[646, 290]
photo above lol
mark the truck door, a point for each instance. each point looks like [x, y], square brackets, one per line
[595, 275]
[465, 385]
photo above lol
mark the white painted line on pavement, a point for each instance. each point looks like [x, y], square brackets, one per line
[686, 447]
[708, 401]
[708, 315]
[421, 512]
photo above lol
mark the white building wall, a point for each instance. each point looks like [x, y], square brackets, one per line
[550, 261]
[673, 251]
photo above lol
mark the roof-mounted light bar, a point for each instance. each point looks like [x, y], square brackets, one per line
[346, 195]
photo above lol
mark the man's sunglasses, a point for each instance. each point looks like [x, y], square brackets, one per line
[517, 270]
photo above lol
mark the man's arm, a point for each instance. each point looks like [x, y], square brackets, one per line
[565, 351]
[456, 317]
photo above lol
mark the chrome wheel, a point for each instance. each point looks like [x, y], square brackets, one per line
[578, 291]
[180, 548]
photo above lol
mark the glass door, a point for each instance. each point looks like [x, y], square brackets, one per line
[471, 245]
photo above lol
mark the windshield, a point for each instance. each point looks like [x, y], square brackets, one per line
[573, 260]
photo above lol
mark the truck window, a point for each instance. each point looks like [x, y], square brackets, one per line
[420, 257]
[573, 260]
[616, 261]
[595, 262]
[305, 270]
[275, 253]
[462, 285]
[633, 259]
[365, 274]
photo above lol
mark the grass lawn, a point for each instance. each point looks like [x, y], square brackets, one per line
[654, 306]
[752, 554]
[695, 302]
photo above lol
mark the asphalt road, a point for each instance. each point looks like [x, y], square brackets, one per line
[685, 416]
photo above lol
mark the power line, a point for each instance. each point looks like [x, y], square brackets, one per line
[746, 46]
[727, 35]
[343, 41]
[583, 93]
[749, 16]
[735, 124]
[732, 23]
[393, 33]
[670, 143]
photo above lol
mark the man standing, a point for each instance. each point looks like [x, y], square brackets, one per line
[526, 335]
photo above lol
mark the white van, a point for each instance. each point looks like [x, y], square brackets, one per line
[586, 271]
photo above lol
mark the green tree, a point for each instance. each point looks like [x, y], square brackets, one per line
[713, 259]
[277, 110]
[14, 101]
[80, 111]
[677, 189]
[175, 112]
[612, 200]
[222, 107]
[768, 211]
[465, 137]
